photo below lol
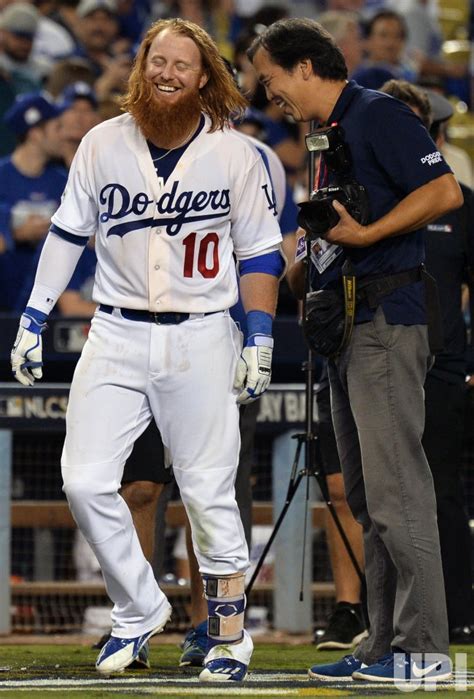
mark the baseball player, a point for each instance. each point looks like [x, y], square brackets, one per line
[171, 194]
[196, 640]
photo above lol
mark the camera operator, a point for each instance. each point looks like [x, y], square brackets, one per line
[377, 378]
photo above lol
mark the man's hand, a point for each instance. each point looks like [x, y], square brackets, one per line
[254, 368]
[347, 232]
[26, 355]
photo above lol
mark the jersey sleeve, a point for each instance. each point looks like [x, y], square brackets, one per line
[78, 211]
[289, 213]
[255, 227]
[403, 147]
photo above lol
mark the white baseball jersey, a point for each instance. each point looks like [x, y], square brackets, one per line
[275, 166]
[168, 247]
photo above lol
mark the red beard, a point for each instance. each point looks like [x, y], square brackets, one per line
[165, 124]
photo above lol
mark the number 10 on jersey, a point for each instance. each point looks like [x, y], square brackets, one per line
[201, 255]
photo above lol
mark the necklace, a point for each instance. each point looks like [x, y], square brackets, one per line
[180, 145]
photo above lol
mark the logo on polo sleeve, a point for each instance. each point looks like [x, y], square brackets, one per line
[431, 158]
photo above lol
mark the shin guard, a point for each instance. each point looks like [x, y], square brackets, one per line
[226, 606]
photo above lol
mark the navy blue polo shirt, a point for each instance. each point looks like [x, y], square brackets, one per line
[393, 155]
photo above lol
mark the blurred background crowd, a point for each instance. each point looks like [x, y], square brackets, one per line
[63, 64]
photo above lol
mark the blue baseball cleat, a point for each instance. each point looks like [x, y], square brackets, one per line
[195, 646]
[143, 660]
[229, 662]
[333, 672]
[119, 653]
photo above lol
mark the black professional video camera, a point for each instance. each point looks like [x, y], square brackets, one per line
[318, 215]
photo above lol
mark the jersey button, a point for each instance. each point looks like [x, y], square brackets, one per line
[157, 266]
[158, 230]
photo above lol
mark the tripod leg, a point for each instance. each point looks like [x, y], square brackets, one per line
[292, 488]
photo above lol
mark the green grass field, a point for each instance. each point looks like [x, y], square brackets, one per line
[277, 670]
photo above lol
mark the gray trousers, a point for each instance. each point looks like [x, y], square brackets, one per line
[378, 412]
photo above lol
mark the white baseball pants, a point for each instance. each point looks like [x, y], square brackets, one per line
[182, 375]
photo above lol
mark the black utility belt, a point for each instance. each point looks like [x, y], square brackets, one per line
[374, 289]
[330, 313]
[165, 318]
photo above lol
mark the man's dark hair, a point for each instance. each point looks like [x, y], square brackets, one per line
[289, 41]
[386, 14]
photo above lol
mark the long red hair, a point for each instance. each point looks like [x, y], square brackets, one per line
[220, 96]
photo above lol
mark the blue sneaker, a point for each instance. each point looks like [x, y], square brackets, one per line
[399, 666]
[195, 646]
[333, 672]
[229, 662]
[119, 653]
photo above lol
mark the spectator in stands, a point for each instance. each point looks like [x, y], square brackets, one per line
[386, 49]
[425, 37]
[30, 189]
[346, 30]
[18, 24]
[345, 5]
[385, 40]
[449, 243]
[52, 41]
[65, 15]
[7, 97]
[80, 115]
[424, 45]
[18, 28]
[100, 43]
[97, 29]
[265, 16]
[64, 73]
[217, 18]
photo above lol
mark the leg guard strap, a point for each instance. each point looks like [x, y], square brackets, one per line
[223, 586]
[226, 605]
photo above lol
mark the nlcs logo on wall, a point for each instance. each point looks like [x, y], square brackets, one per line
[33, 407]
[30, 409]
